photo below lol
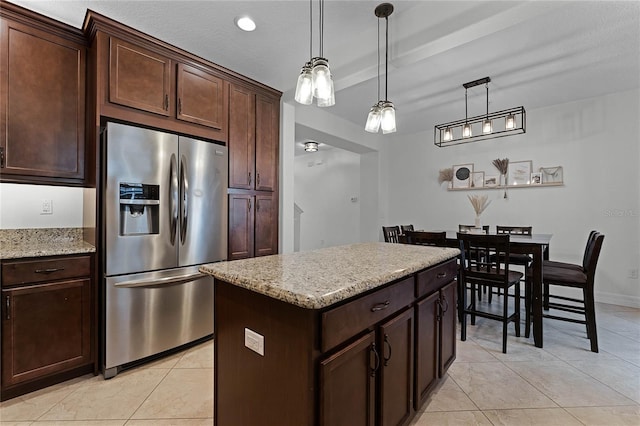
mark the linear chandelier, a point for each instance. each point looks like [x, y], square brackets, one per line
[383, 113]
[497, 124]
[315, 79]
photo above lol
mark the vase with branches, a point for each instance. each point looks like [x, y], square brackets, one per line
[503, 166]
[479, 203]
[445, 175]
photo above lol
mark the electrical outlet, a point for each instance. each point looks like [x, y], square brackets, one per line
[46, 207]
[633, 273]
[254, 341]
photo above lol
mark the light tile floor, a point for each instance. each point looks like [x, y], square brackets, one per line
[562, 384]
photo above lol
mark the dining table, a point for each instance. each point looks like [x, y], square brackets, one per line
[536, 246]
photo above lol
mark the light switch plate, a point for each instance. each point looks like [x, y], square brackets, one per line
[254, 341]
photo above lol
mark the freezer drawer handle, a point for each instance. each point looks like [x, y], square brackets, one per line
[159, 282]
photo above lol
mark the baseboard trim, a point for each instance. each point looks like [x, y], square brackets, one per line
[618, 299]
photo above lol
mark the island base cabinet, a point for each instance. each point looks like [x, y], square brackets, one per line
[347, 383]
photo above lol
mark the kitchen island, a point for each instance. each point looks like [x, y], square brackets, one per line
[355, 334]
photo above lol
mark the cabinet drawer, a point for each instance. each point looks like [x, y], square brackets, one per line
[31, 271]
[346, 321]
[432, 279]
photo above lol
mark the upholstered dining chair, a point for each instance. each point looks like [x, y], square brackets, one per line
[426, 238]
[391, 234]
[523, 260]
[478, 270]
[580, 277]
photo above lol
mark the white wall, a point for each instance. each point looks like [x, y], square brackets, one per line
[20, 206]
[325, 183]
[596, 141]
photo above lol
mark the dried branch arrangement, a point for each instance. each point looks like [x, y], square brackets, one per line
[479, 203]
[502, 165]
[446, 175]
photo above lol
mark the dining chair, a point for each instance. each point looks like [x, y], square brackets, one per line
[405, 228]
[580, 277]
[523, 260]
[478, 270]
[391, 234]
[426, 238]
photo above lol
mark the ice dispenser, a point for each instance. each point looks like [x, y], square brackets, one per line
[139, 209]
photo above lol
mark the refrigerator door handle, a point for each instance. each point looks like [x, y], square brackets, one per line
[173, 198]
[160, 282]
[184, 199]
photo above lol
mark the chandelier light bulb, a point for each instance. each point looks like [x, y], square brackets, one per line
[510, 122]
[373, 119]
[466, 131]
[388, 118]
[322, 83]
[448, 135]
[487, 126]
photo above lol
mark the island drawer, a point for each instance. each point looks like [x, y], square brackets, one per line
[434, 278]
[344, 322]
[49, 269]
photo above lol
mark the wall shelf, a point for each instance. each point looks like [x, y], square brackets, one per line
[538, 185]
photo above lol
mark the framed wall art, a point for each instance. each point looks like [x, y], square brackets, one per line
[519, 173]
[477, 179]
[551, 174]
[536, 178]
[491, 180]
[462, 175]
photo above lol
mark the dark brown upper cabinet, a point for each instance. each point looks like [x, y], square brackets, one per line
[42, 99]
[200, 97]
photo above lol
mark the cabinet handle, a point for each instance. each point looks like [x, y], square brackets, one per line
[376, 359]
[386, 342]
[8, 307]
[380, 306]
[166, 102]
[249, 179]
[249, 205]
[441, 275]
[2, 157]
[258, 179]
[48, 271]
[446, 304]
[179, 106]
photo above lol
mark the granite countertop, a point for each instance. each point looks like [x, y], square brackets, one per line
[40, 242]
[319, 278]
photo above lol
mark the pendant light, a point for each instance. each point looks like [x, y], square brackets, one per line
[487, 125]
[315, 79]
[383, 113]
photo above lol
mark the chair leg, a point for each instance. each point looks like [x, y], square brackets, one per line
[505, 322]
[527, 307]
[590, 313]
[545, 297]
[473, 302]
[462, 301]
[517, 307]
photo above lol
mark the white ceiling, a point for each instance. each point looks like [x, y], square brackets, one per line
[537, 53]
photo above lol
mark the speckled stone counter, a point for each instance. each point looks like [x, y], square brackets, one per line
[320, 278]
[39, 242]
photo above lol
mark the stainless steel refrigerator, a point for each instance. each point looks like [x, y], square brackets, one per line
[165, 213]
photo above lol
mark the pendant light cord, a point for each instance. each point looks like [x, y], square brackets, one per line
[310, 29]
[378, 59]
[465, 106]
[386, 59]
[321, 28]
[487, 86]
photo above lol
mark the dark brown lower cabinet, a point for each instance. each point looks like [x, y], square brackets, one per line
[435, 339]
[47, 320]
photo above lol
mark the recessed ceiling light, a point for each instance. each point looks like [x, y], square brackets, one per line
[245, 23]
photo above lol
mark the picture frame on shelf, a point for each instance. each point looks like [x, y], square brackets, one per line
[491, 181]
[477, 179]
[552, 174]
[462, 175]
[519, 173]
[536, 178]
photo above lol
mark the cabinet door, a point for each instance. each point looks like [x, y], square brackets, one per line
[240, 226]
[266, 242]
[139, 78]
[267, 123]
[426, 347]
[200, 97]
[242, 140]
[448, 318]
[347, 384]
[46, 328]
[396, 378]
[42, 101]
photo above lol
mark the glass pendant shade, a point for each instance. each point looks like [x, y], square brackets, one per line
[373, 119]
[304, 88]
[388, 118]
[322, 83]
[331, 100]
[510, 122]
[487, 126]
[448, 135]
[466, 130]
